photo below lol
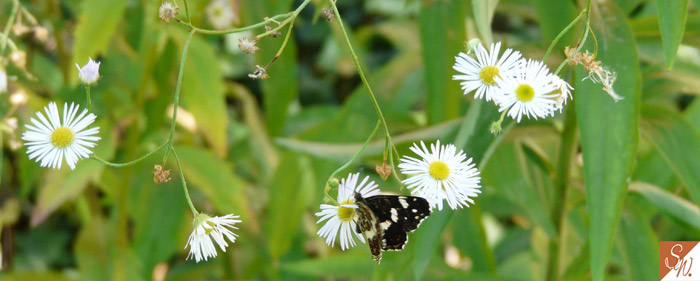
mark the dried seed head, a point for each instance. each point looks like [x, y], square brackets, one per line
[160, 175]
[248, 46]
[167, 11]
[383, 170]
[328, 14]
[260, 73]
[274, 34]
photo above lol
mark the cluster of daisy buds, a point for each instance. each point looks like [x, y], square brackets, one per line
[522, 87]
[440, 174]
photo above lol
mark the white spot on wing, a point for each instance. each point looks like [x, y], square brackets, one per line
[385, 225]
[403, 202]
[394, 215]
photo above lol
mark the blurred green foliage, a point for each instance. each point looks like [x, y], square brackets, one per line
[263, 149]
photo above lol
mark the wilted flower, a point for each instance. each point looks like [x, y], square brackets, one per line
[596, 72]
[383, 170]
[167, 11]
[260, 73]
[160, 175]
[248, 46]
[90, 72]
[50, 138]
[207, 229]
[273, 34]
[328, 14]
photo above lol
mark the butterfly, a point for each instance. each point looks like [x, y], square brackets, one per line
[385, 220]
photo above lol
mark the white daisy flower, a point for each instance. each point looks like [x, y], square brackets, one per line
[220, 14]
[207, 229]
[343, 218]
[480, 74]
[562, 93]
[530, 93]
[51, 138]
[441, 174]
[90, 72]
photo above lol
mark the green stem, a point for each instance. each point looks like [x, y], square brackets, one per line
[561, 34]
[328, 187]
[8, 25]
[362, 74]
[176, 98]
[13, 46]
[566, 153]
[241, 29]
[184, 185]
[104, 162]
[87, 91]
[581, 41]
[284, 43]
[187, 11]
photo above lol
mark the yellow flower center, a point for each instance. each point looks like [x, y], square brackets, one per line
[439, 170]
[487, 75]
[62, 137]
[525, 92]
[345, 213]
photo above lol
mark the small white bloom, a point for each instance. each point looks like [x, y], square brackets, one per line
[207, 229]
[51, 138]
[441, 174]
[480, 74]
[220, 14]
[529, 93]
[90, 72]
[562, 93]
[343, 218]
[3, 80]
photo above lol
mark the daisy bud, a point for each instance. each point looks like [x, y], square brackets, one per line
[41, 33]
[472, 44]
[248, 46]
[333, 182]
[19, 58]
[384, 171]
[160, 175]
[90, 72]
[260, 73]
[20, 29]
[328, 14]
[495, 128]
[167, 11]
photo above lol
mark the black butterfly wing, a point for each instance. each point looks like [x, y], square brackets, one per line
[396, 216]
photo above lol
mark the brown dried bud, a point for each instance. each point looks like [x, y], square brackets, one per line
[383, 170]
[160, 175]
[41, 34]
[274, 34]
[260, 73]
[328, 14]
[248, 46]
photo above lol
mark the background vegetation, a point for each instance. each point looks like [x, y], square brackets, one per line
[263, 149]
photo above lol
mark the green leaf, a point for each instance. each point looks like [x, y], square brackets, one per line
[292, 185]
[96, 26]
[443, 37]
[470, 238]
[203, 91]
[213, 177]
[639, 243]
[675, 138]
[672, 15]
[65, 185]
[551, 26]
[426, 239]
[346, 265]
[483, 14]
[671, 204]
[646, 29]
[608, 129]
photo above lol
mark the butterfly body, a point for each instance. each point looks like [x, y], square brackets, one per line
[386, 220]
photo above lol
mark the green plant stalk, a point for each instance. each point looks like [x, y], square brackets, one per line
[355, 59]
[176, 97]
[284, 43]
[582, 40]
[8, 25]
[561, 34]
[566, 153]
[328, 187]
[118, 165]
[187, 11]
[87, 92]
[9, 41]
[241, 29]
[184, 185]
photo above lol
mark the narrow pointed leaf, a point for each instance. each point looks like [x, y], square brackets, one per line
[672, 16]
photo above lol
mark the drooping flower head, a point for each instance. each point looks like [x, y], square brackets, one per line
[480, 74]
[49, 139]
[440, 174]
[343, 217]
[530, 93]
[207, 229]
[90, 72]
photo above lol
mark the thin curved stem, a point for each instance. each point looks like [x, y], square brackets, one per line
[8, 25]
[236, 30]
[561, 34]
[111, 164]
[176, 98]
[87, 92]
[581, 41]
[184, 184]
